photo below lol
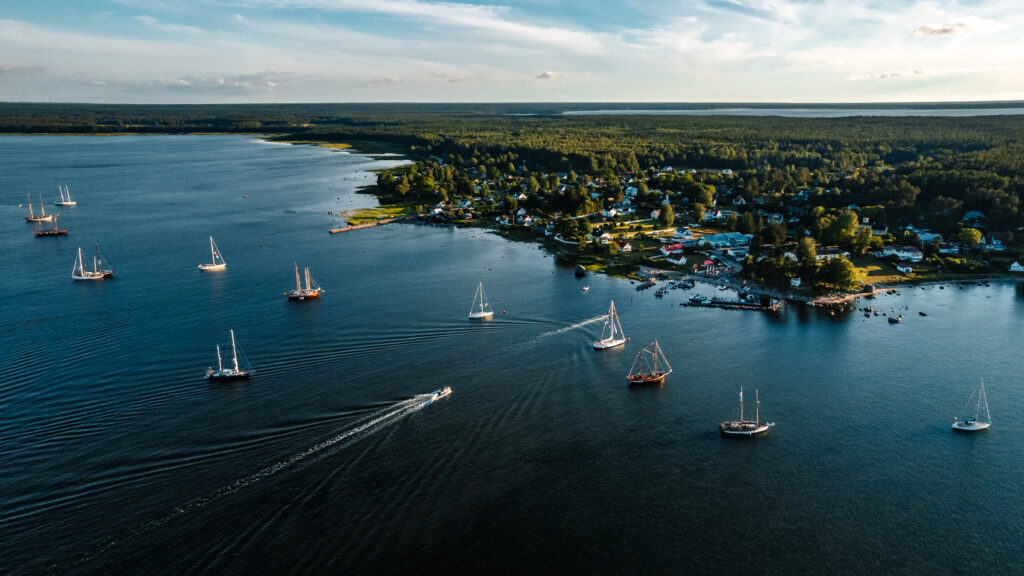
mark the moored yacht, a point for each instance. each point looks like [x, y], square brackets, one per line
[746, 428]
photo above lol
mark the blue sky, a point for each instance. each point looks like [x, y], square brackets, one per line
[176, 51]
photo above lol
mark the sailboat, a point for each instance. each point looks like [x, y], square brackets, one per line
[650, 366]
[746, 428]
[977, 423]
[611, 333]
[216, 260]
[310, 291]
[43, 217]
[65, 197]
[235, 371]
[54, 232]
[80, 272]
[480, 308]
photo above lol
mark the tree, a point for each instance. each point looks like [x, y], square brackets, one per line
[838, 273]
[704, 195]
[667, 216]
[698, 212]
[807, 257]
[970, 236]
[532, 185]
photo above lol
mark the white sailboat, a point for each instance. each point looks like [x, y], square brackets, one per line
[43, 217]
[746, 428]
[611, 333]
[978, 422]
[480, 308]
[650, 366]
[234, 372]
[65, 197]
[216, 260]
[80, 272]
[312, 290]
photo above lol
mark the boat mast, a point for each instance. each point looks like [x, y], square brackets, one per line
[30, 213]
[480, 292]
[298, 285]
[97, 262]
[79, 265]
[234, 351]
[757, 410]
[982, 398]
[307, 278]
[213, 255]
[741, 403]
[41, 207]
[220, 365]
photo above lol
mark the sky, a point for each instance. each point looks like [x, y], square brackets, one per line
[214, 51]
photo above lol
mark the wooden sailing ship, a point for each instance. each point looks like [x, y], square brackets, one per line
[51, 231]
[312, 290]
[650, 366]
[43, 216]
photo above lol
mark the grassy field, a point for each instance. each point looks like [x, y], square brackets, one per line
[367, 215]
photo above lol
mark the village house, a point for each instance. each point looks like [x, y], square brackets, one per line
[726, 239]
[795, 282]
[604, 238]
[624, 246]
[948, 248]
[1016, 267]
[974, 218]
[992, 242]
[904, 268]
[670, 248]
[830, 252]
[682, 234]
[610, 213]
[909, 253]
[655, 214]
[677, 258]
[928, 237]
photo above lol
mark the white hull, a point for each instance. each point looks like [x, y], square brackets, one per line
[88, 276]
[48, 218]
[481, 315]
[72, 203]
[212, 267]
[609, 343]
[744, 428]
[970, 426]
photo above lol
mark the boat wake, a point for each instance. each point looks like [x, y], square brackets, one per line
[570, 328]
[354, 432]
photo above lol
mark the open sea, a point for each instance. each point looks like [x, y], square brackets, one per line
[117, 458]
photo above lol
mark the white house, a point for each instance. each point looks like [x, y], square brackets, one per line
[604, 238]
[655, 214]
[624, 246]
[726, 239]
[682, 234]
[610, 213]
[677, 258]
[909, 253]
[992, 243]
[795, 282]
[1016, 267]
[905, 268]
[829, 253]
[949, 248]
[632, 191]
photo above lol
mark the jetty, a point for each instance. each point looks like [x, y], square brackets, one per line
[728, 304]
[362, 226]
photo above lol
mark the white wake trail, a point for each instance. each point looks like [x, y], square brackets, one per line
[350, 435]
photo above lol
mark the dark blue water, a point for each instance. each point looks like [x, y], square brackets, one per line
[115, 457]
[798, 112]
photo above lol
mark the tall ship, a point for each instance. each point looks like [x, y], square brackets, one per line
[980, 421]
[51, 231]
[312, 290]
[650, 366]
[611, 332]
[43, 216]
[480, 308]
[216, 260]
[82, 272]
[237, 370]
[746, 428]
[65, 197]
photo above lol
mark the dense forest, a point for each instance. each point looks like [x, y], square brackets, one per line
[926, 171]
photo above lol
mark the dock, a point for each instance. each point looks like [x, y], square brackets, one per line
[735, 305]
[363, 226]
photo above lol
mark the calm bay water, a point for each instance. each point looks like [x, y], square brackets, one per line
[116, 457]
[798, 112]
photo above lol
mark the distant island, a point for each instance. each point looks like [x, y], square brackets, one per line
[801, 205]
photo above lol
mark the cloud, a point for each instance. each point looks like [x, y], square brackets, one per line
[547, 75]
[945, 30]
[382, 82]
[9, 70]
[238, 84]
[918, 72]
[169, 28]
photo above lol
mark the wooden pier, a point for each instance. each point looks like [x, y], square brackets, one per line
[735, 305]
